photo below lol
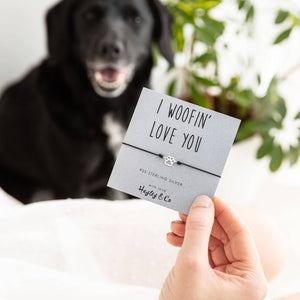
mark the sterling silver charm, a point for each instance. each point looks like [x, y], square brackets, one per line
[169, 161]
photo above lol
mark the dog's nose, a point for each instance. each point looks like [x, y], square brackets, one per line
[111, 49]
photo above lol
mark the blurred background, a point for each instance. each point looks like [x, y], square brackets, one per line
[238, 57]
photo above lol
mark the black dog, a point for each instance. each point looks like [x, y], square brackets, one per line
[58, 125]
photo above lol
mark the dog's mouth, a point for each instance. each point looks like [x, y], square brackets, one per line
[110, 81]
[109, 78]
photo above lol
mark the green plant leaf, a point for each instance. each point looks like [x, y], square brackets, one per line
[273, 86]
[179, 37]
[258, 78]
[244, 98]
[213, 26]
[190, 7]
[283, 36]
[277, 156]
[281, 16]
[250, 14]
[241, 4]
[281, 108]
[204, 4]
[273, 104]
[172, 86]
[204, 36]
[272, 95]
[234, 81]
[297, 116]
[210, 31]
[265, 148]
[295, 20]
[208, 4]
[198, 98]
[243, 133]
[253, 126]
[294, 154]
[204, 81]
[206, 57]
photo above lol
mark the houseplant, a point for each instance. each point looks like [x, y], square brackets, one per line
[199, 81]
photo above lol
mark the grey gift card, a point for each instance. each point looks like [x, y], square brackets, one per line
[173, 151]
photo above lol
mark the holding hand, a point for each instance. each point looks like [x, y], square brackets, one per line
[218, 259]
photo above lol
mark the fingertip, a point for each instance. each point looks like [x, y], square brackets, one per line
[167, 235]
[174, 240]
[216, 199]
[183, 217]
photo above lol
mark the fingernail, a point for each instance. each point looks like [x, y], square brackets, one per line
[202, 201]
[177, 222]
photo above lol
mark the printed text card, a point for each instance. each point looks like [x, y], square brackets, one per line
[173, 151]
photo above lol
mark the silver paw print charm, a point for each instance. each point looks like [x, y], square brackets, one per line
[170, 161]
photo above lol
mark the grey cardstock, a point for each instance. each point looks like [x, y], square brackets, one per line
[144, 174]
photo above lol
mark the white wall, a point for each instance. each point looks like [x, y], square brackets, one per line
[22, 36]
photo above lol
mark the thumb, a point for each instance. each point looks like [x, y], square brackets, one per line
[198, 228]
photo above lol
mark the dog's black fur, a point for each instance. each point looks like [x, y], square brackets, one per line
[52, 142]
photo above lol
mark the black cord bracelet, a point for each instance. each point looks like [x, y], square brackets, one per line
[170, 160]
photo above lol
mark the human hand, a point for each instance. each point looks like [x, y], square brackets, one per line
[218, 259]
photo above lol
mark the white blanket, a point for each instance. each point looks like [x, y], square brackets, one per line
[84, 249]
[94, 249]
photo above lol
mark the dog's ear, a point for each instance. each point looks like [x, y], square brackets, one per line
[163, 30]
[59, 31]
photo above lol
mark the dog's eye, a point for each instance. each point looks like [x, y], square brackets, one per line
[92, 14]
[137, 20]
[133, 16]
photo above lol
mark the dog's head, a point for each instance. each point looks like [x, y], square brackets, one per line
[110, 38]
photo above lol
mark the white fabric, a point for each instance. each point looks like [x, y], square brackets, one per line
[85, 249]
[20, 280]
[92, 249]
